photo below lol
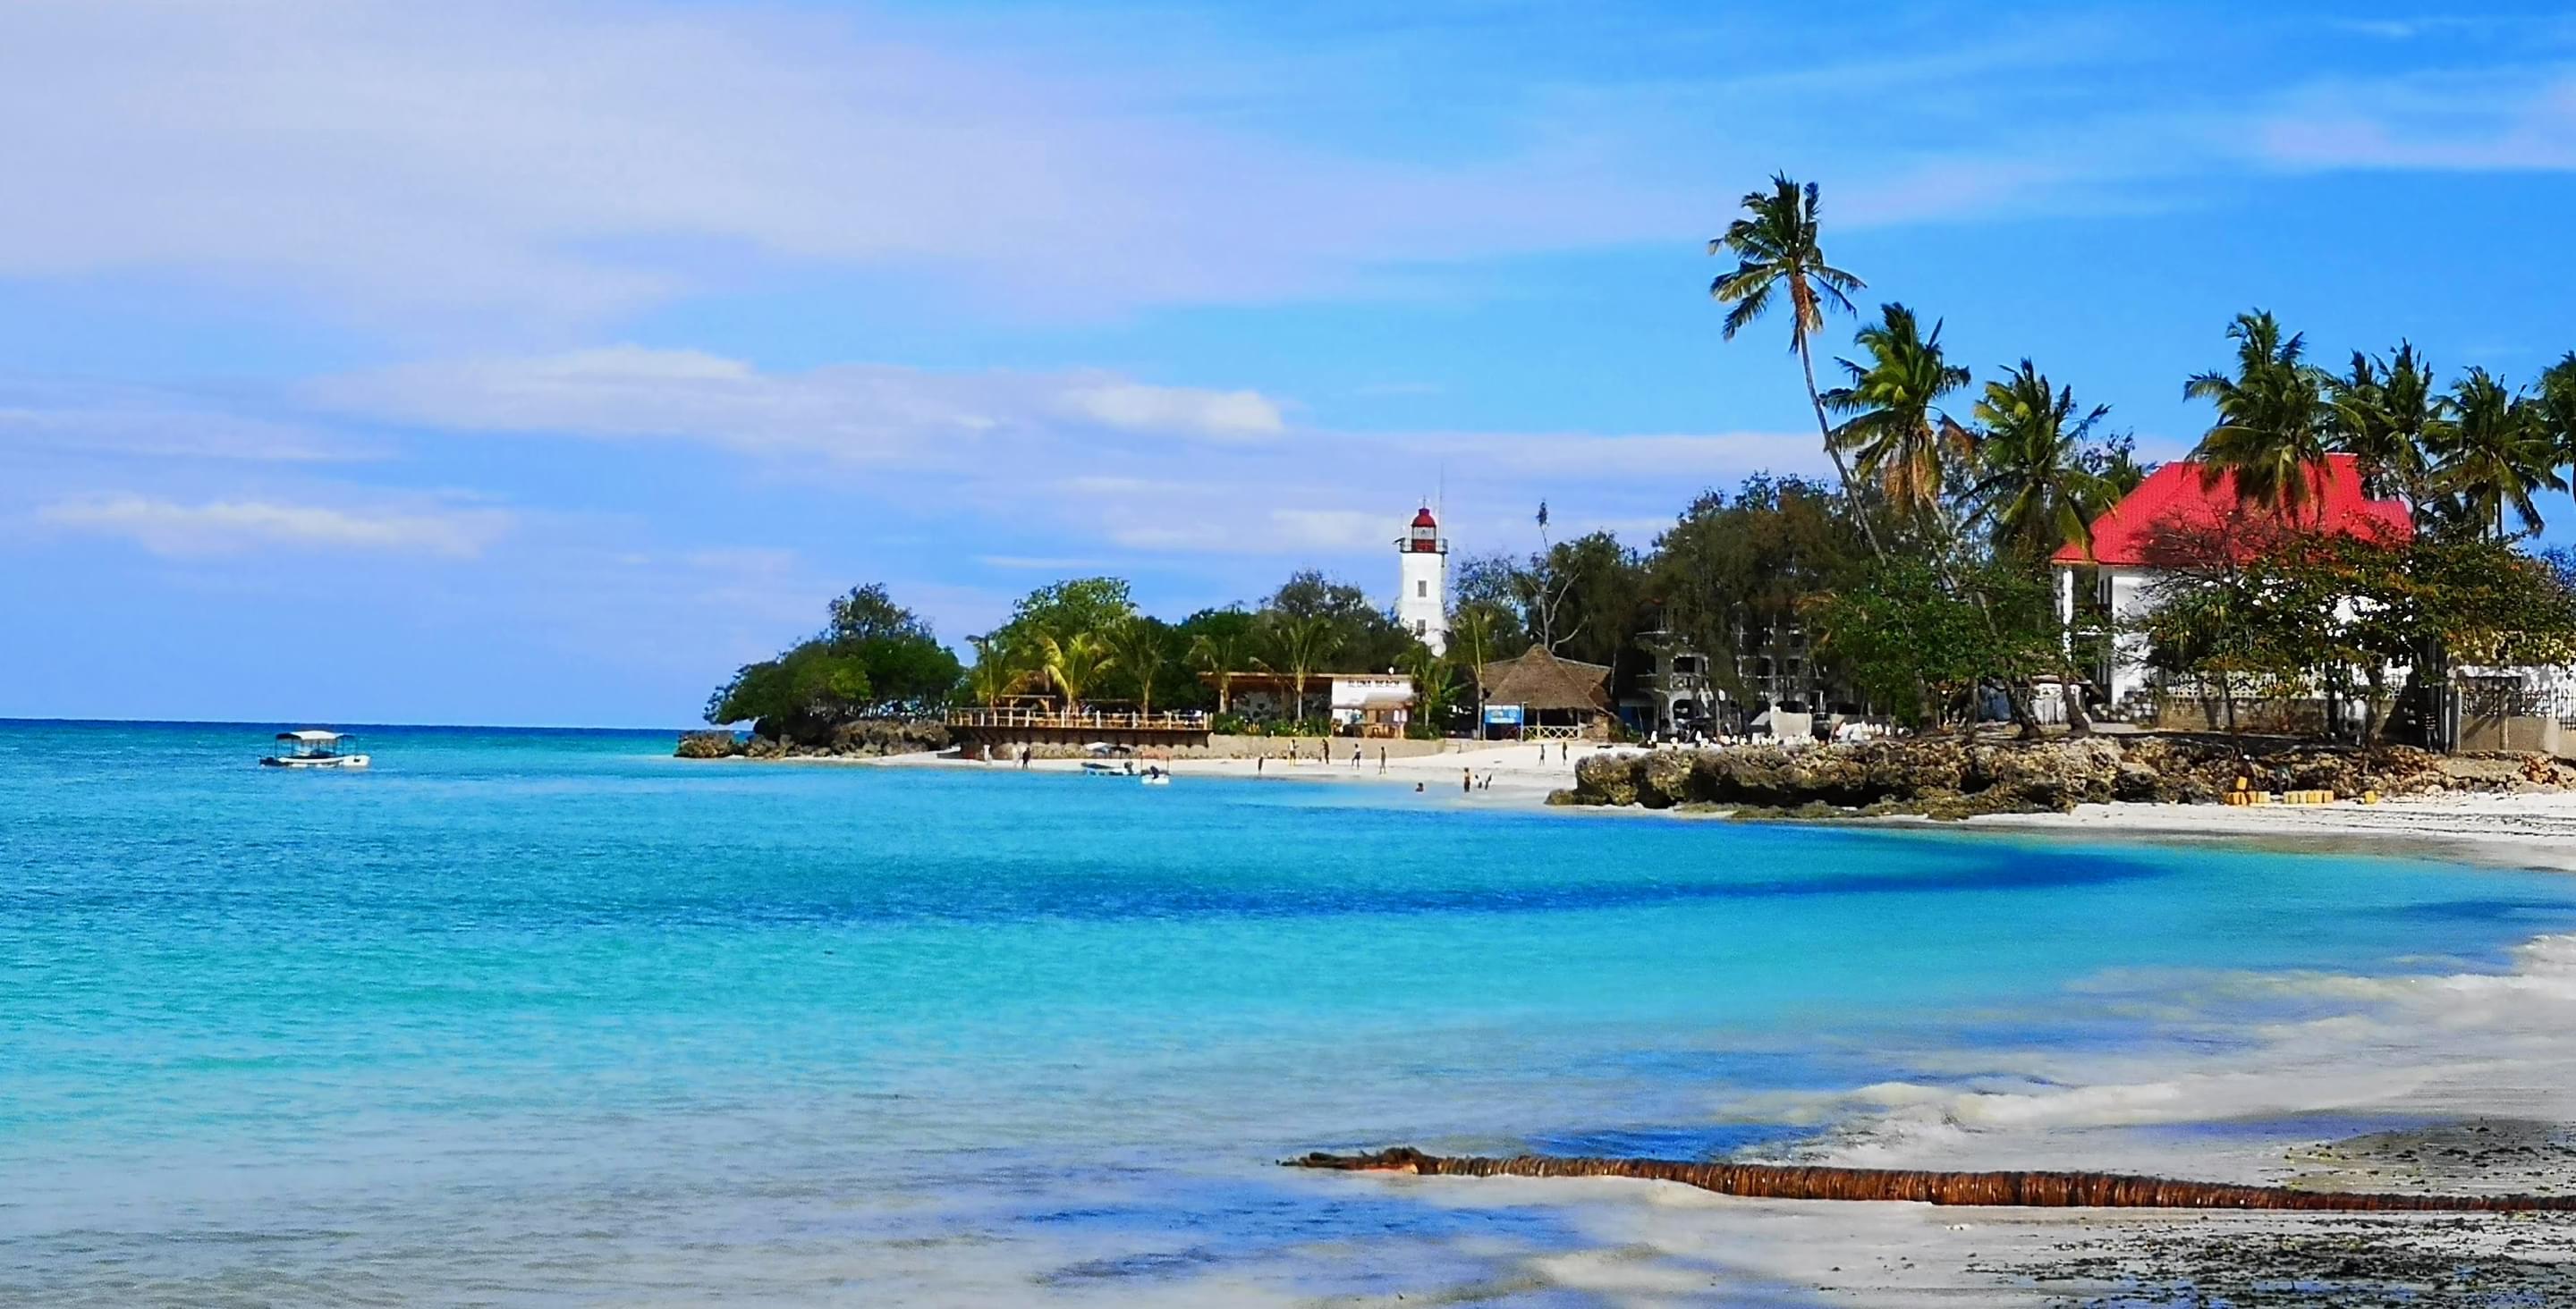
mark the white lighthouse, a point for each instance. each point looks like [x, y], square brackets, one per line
[1422, 579]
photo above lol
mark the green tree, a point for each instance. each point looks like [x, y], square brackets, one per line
[1779, 259]
[1435, 687]
[2556, 401]
[2273, 417]
[1918, 640]
[2499, 454]
[1069, 608]
[2039, 491]
[1074, 664]
[1895, 430]
[1364, 635]
[2391, 417]
[1221, 643]
[1734, 575]
[999, 666]
[1141, 647]
[873, 658]
[1295, 647]
[801, 695]
[1478, 631]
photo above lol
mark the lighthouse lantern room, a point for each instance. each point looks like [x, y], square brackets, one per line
[1422, 578]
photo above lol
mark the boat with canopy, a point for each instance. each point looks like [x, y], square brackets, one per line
[314, 748]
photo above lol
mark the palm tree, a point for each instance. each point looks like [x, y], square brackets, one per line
[2273, 417]
[1777, 257]
[1141, 646]
[2499, 453]
[1471, 635]
[1897, 433]
[2038, 493]
[2391, 418]
[1297, 645]
[1223, 653]
[1074, 663]
[2556, 400]
[1434, 684]
[998, 666]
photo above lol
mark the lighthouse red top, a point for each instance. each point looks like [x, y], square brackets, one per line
[1424, 538]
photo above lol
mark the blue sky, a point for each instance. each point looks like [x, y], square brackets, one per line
[538, 361]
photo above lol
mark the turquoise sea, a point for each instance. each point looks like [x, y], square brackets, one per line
[547, 1017]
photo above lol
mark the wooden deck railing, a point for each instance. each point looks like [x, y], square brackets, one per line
[1087, 721]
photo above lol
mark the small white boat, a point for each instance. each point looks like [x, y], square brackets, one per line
[1157, 779]
[311, 748]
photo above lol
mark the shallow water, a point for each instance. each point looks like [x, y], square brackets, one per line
[546, 1017]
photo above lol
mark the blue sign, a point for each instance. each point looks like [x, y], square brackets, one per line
[1502, 715]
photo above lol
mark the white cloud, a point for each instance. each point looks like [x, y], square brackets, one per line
[1084, 458]
[1223, 415]
[499, 158]
[860, 413]
[146, 424]
[217, 527]
[2493, 120]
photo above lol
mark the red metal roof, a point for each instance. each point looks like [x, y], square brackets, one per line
[1424, 518]
[2173, 497]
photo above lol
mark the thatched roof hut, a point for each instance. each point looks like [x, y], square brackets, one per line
[1567, 690]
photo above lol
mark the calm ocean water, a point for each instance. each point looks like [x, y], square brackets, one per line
[547, 1017]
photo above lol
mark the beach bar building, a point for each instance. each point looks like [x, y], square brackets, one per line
[1359, 704]
[1553, 698]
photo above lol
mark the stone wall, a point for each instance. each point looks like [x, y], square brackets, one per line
[1947, 777]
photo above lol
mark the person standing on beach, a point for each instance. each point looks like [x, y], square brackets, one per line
[1381, 760]
[1466, 779]
[1355, 756]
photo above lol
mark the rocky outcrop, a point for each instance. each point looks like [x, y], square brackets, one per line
[863, 738]
[1950, 777]
[708, 745]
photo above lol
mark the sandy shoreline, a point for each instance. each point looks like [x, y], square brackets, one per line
[2479, 1094]
[1518, 776]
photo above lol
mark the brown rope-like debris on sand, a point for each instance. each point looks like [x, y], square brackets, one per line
[2046, 1190]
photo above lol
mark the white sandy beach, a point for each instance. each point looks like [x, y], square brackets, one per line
[1517, 773]
[2486, 1053]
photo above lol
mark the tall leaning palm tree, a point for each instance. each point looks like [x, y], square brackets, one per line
[1074, 664]
[2273, 417]
[1896, 433]
[1471, 640]
[1779, 260]
[2038, 493]
[2499, 454]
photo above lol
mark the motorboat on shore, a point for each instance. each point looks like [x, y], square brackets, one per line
[313, 748]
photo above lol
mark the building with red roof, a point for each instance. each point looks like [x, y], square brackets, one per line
[2177, 498]
[2177, 503]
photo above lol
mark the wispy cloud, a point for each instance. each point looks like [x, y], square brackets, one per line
[143, 423]
[2489, 120]
[169, 528]
[571, 160]
[860, 413]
